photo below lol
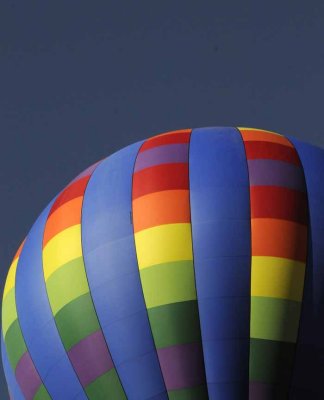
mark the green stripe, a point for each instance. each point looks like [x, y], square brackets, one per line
[175, 323]
[168, 283]
[274, 319]
[15, 344]
[106, 386]
[271, 361]
[66, 284]
[195, 393]
[9, 310]
[42, 394]
[76, 320]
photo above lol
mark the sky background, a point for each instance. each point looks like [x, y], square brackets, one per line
[82, 79]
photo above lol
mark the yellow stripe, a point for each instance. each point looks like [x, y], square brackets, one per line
[9, 311]
[163, 244]
[11, 277]
[277, 277]
[63, 248]
[243, 128]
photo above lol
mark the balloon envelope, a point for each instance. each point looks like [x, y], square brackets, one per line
[186, 266]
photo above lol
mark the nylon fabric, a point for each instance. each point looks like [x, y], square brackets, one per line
[74, 311]
[307, 379]
[220, 215]
[165, 261]
[279, 225]
[13, 387]
[186, 266]
[37, 322]
[19, 358]
[111, 266]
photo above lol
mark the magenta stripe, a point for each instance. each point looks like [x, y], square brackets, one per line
[276, 173]
[27, 377]
[166, 154]
[86, 172]
[182, 365]
[90, 358]
[266, 391]
[259, 390]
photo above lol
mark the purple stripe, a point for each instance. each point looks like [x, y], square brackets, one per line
[276, 173]
[27, 377]
[166, 154]
[266, 391]
[86, 172]
[90, 358]
[182, 365]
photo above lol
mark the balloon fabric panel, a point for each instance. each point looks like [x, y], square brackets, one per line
[37, 321]
[165, 261]
[278, 230]
[220, 213]
[70, 297]
[307, 380]
[19, 358]
[112, 270]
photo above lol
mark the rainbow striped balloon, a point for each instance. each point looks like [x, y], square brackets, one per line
[188, 266]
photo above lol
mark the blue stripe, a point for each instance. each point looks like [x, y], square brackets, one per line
[307, 381]
[111, 266]
[13, 386]
[37, 322]
[220, 216]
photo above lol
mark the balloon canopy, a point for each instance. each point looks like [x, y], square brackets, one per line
[186, 266]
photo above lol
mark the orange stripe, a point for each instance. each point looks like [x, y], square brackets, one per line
[19, 250]
[279, 238]
[67, 215]
[166, 207]
[260, 135]
[73, 190]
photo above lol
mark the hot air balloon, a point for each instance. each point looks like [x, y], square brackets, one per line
[186, 266]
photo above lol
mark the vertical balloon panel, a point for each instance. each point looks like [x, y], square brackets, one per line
[14, 390]
[279, 249]
[162, 228]
[220, 214]
[70, 298]
[111, 266]
[37, 322]
[308, 373]
[19, 357]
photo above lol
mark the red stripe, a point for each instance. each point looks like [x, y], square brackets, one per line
[278, 202]
[74, 190]
[182, 136]
[268, 150]
[160, 177]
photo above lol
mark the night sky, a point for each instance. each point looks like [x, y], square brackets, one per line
[79, 80]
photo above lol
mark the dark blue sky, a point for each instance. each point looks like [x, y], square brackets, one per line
[81, 79]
